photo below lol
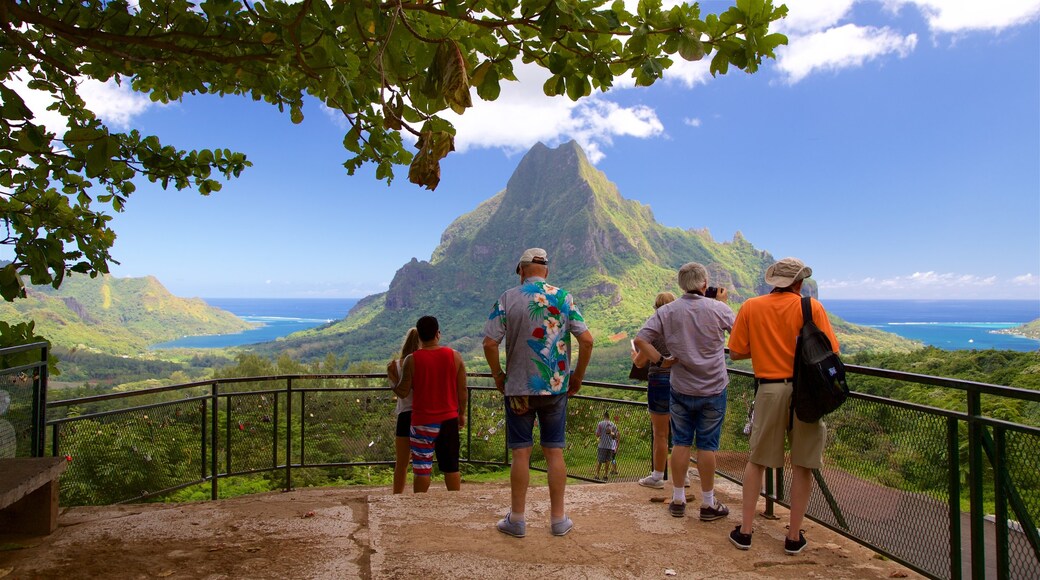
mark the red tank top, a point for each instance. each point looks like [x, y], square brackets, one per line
[435, 397]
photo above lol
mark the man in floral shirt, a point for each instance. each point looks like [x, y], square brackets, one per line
[536, 320]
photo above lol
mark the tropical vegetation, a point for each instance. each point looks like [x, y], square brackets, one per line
[391, 69]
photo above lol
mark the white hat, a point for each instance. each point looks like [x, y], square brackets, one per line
[532, 256]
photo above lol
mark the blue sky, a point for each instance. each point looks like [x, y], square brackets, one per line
[894, 146]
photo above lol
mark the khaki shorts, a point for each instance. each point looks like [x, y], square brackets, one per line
[769, 429]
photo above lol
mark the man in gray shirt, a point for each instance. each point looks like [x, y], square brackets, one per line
[607, 432]
[693, 328]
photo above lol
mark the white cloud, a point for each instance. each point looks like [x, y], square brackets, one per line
[933, 285]
[693, 122]
[689, 73]
[809, 16]
[116, 105]
[950, 16]
[841, 47]
[523, 116]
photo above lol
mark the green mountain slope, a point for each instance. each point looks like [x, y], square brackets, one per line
[116, 315]
[608, 251]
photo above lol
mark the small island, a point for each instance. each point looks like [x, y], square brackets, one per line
[1027, 330]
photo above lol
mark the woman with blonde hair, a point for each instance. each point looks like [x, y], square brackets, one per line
[658, 402]
[402, 444]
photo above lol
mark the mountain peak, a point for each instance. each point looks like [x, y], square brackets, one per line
[548, 171]
[608, 251]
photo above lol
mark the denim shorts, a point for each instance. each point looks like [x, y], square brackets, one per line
[659, 394]
[697, 415]
[551, 411]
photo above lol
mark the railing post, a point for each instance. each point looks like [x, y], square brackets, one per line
[469, 423]
[303, 428]
[954, 489]
[214, 491]
[288, 434]
[202, 443]
[228, 407]
[978, 530]
[54, 440]
[274, 433]
[769, 493]
[1000, 501]
[39, 408]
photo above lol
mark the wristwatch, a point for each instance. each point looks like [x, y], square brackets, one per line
[660, 361]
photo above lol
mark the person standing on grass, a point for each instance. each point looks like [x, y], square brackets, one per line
[694, 332]
[402, 442]
[606, 432]
[536, 320]
[436, 376]
[766, 331]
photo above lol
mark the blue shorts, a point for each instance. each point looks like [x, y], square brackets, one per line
[659, 394]
[551, 411]
[697, 415]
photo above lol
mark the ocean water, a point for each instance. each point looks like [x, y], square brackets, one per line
[946, 324]
[278, 317]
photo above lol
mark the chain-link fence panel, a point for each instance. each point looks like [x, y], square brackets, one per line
[16, 397]
[626, 457]
[484, 438]
[346, 426]
[1022, 503]
[250, 430]
[131, 454]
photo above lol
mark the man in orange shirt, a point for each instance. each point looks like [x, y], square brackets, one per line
[766, 331]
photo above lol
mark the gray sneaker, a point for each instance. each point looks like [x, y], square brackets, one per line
[717, 512]
[650, 482]
[561, 528]
[511, 528]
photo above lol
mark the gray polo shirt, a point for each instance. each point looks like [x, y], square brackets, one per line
[694, 330]
[536, 320]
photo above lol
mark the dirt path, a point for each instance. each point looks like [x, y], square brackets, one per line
[368, 533]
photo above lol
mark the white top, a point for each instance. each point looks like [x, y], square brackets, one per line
[404, 404]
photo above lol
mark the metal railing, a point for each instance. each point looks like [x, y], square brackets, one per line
[23, 399]
[913, 482]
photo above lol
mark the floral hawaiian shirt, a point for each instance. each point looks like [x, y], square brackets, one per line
[536, 320]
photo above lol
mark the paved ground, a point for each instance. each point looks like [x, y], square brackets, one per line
[369, 533]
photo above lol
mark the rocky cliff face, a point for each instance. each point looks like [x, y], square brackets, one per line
[607, 250]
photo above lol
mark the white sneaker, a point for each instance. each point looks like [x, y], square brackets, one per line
[649, 481]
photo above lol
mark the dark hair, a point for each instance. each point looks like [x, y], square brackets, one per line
[427, 327]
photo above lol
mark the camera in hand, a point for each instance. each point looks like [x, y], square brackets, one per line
[711, 292]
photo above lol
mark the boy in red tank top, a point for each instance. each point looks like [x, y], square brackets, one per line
[436, 377]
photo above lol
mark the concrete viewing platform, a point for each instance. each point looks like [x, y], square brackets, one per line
[366, 532]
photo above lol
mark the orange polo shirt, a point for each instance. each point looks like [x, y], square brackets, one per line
[767, 328]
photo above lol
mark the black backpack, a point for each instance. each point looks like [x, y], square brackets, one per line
[819, 375]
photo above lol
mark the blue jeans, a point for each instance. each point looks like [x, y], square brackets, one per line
[551, 412]
[700, 416]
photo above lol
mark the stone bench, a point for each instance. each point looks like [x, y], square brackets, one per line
[29, 494]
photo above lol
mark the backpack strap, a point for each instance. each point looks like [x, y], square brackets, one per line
[806, 319]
